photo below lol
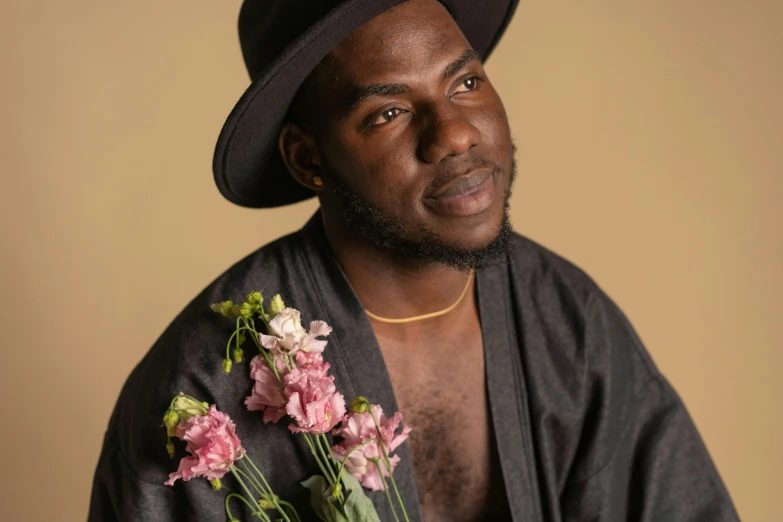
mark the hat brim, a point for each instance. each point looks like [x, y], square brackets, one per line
[247, 166]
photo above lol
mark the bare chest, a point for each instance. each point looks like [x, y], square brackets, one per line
[440, 385]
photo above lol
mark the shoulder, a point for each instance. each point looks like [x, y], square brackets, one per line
[586, 369]
[545, 269]
[576, 316]
[188, 357]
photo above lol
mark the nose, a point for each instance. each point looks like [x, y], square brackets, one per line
[446, 131]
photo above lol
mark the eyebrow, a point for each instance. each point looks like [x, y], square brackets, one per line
[454, 67]
[365, 92]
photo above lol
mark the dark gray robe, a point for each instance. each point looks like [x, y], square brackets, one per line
[586, 427]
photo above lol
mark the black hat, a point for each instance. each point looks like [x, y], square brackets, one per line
[282, 42]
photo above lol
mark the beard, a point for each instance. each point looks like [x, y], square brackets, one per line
[387, 232]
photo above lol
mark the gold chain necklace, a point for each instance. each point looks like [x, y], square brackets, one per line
[425, 316]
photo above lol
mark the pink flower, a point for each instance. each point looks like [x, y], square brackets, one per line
[358, 429]
[314, 403]
[212, 443]
[307, 359]
[267, 394]
[287, 335]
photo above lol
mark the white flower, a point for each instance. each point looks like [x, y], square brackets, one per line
[288, 335]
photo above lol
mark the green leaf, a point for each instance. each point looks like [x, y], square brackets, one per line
[319, 490]
[356, 507]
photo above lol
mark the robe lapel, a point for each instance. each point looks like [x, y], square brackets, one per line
[507, 394]
[353, 351]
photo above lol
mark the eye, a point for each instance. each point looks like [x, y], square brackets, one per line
[386, 116]
[470, 84]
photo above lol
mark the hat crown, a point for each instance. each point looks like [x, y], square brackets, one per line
[267, 27]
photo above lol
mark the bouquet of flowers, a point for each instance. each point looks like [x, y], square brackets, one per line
[291, 379]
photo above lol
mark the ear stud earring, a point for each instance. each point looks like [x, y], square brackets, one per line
[317, 181]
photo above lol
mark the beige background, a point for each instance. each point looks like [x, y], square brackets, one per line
[649, 141]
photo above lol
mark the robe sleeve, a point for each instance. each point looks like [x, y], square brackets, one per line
[640, 457]
[118, 494]
[128, 483]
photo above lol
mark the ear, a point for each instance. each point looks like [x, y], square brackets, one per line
[300, 155]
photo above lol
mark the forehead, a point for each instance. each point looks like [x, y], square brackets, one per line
[407, 40]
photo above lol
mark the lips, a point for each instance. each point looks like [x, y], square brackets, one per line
[465, 195]
[462, 185]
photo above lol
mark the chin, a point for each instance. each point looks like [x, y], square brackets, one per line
[472, 232]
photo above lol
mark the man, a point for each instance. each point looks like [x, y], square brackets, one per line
[530, 396]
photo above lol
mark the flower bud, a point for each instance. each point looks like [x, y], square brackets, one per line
[360, 405]
[187, 407]
[241, 338]
[255, 298]
[276, 305]
[227, 365]
[170, 448]
[171, 421]
[216, 484]
[226, 308]
[246, 310]
[268, 501]
[239, 355]
[337, 491]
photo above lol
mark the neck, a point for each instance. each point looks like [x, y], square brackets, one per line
[392, 285]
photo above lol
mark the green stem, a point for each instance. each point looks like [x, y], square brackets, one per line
[252, 328]
[264, 318]
[244, 486]
[386, 490]
[397, 491]
[286, 361]
[259, 514]
[263, 351]
[268, 487]
[235, 334]
[259, 487]
[320, 441]
[256, 336]
[273, 366]
[309, 443]
[258, 472]
[228, 344]
[292, 509]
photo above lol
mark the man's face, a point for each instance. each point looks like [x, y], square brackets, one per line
[413, 140]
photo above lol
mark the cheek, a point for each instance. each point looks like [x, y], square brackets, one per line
[496, 133]
[494, 127]
[392, 185]
[387, 178]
